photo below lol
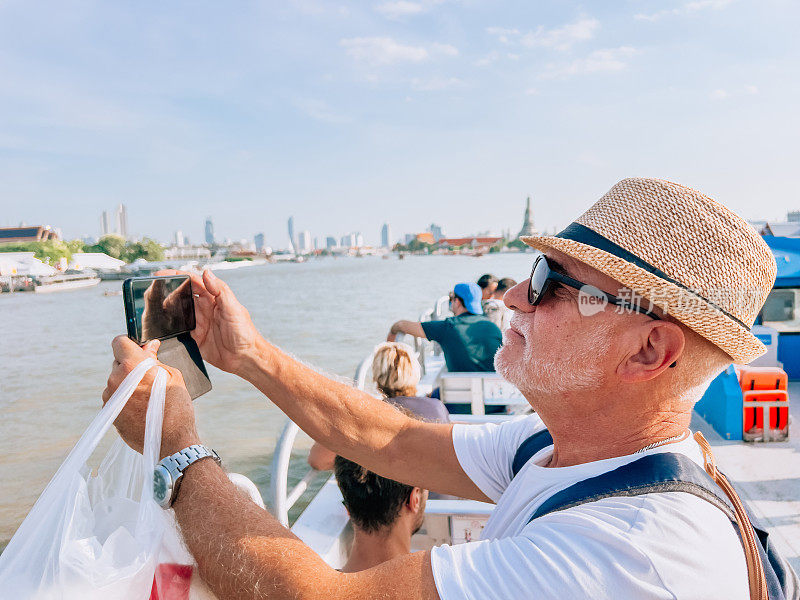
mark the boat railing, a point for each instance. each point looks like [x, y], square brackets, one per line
[282, 498]
[425, 348]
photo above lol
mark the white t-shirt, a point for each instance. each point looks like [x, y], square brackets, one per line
[666, 545]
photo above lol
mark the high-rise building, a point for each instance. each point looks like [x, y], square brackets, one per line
[259, 240]
[304, 242]
[527, 221]
[210, 232]
[436, 230]
[330, 242]
[292, 239]
[179, 239]
[386, 236]
[122, 221]
[105, 226]
[348, 241]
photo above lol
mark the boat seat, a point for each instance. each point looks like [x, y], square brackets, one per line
[479, 390]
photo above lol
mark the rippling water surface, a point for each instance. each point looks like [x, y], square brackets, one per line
[55, 356]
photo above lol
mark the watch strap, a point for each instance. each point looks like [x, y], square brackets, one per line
[177, 462]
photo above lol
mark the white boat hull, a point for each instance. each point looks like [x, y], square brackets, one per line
[66, 285]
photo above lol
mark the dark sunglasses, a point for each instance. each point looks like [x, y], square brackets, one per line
[543, 278]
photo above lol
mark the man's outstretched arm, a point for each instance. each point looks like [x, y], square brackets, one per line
[408, 327]
[361, 428]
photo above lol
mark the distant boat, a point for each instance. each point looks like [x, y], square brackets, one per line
[59, 283]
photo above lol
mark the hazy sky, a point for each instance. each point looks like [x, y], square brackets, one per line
[349, 114]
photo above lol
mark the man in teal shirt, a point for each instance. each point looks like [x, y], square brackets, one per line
[468, 339]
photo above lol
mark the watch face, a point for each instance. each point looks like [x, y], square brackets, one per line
[162, 485]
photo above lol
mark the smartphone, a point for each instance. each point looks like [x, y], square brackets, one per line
[162, 308]
[158, 308]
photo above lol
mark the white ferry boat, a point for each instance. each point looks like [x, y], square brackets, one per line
[70, 281]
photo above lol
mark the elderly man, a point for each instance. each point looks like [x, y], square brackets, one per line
[612, 378]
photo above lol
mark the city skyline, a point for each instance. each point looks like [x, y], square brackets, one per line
[348, 115]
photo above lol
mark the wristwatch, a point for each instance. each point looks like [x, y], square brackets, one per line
[168, 472]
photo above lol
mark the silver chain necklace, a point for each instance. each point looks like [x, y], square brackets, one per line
[675, 438]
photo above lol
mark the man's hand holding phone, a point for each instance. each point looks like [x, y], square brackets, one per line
[223, 331]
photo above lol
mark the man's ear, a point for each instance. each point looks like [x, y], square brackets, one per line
[415, 500]
[660, 343]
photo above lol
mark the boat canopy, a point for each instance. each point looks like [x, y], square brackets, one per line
[787, 257]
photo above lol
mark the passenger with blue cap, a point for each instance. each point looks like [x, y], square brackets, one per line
[468, 339]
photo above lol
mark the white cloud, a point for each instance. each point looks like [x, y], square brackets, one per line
[503, 34]
[531, 92]
[382, 51]
[751, 89]
[685, 9]
[377, 51]
[719, 94]
[400, 9]
[562, 38]
[605, 60]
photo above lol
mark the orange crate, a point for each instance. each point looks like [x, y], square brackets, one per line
[778, 417]
[762, 378]
[764, 384]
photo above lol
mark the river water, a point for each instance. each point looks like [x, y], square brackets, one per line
[55, 356]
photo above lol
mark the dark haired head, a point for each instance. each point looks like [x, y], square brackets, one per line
[506, 283]
[486, 280]
[373, 502]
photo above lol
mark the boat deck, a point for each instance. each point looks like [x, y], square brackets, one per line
[767, 477]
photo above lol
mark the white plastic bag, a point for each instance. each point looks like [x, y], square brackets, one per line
[94, 537]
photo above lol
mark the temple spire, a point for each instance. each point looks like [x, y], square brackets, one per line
[527, 223]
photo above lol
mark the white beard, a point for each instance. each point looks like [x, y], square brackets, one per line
[537, 376]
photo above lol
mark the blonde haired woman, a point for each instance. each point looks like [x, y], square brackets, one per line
[396, 373]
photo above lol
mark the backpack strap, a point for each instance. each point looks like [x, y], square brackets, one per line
[661, 472]
[536, 442]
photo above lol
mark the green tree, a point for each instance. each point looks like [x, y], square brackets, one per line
[113, 245]
[77, 246]
[49, 251]
[518, 244]
[147, 249]
[419, 246]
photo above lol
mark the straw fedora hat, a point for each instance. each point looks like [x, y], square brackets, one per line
[679, 249]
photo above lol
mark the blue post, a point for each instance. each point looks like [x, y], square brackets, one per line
[721, 405]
